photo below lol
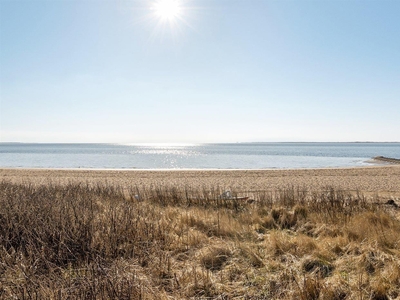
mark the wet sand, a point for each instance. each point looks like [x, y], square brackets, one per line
[382, 180]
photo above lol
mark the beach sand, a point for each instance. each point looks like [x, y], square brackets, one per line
[382, 180]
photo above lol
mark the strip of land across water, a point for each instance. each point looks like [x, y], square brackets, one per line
[384, 180]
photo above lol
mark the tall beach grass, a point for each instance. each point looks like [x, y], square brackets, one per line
[81, 241]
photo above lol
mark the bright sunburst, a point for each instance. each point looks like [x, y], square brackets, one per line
[170, 18]
[168, 9]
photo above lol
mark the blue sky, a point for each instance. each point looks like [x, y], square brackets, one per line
[223, 71]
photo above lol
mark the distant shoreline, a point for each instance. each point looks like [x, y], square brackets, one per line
[194, 143]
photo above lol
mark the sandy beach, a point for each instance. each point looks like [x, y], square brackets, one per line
[384, 180]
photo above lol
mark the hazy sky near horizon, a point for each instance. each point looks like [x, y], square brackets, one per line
[219, 71]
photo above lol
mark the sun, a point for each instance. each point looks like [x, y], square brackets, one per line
[169, 18]
[167, 9]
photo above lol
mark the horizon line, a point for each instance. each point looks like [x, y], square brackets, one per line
[200, 143]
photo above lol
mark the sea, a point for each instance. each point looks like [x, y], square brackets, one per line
[194, 156]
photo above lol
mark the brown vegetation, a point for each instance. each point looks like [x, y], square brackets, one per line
[82, 241]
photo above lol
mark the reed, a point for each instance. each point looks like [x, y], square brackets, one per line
[81, 241]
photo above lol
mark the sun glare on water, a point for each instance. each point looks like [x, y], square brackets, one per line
[167, 9]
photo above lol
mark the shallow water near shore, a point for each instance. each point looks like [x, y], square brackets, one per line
[194, 156]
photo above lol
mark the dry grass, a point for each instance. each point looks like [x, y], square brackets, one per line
[82, 241]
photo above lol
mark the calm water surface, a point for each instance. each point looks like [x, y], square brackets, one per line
[195, 156]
